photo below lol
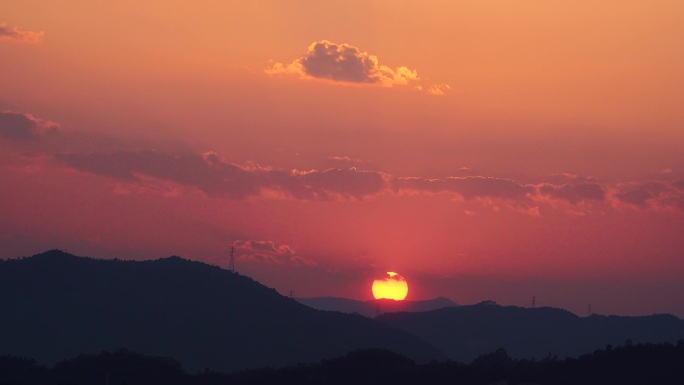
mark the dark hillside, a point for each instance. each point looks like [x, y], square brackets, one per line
[56, 305]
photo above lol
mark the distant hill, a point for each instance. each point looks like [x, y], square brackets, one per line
[373, 308]
[56, 305]
[466, 332]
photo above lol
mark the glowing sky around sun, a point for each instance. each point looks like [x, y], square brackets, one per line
[488, 149]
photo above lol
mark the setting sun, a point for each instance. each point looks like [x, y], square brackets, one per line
[392, 286]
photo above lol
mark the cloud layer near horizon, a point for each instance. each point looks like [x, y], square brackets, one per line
[217, 177]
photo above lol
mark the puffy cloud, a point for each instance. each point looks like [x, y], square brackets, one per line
[22, 126]
[217, 177]
[469, 187]
[343, 63]
[17, 35]
[574, 193]
[269, 252]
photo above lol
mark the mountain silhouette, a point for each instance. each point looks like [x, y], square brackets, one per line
[374, 307]
[56, 305]
[466, 332]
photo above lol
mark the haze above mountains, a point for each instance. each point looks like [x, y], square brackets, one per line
[57, 306]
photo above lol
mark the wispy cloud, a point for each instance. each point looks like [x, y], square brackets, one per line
[217, 177]
[573, 193]
[469, 187]
[171, 173]
[346, 159]
[14, 34]
[435, 89]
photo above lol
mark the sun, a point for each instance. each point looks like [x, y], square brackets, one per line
[392, 286]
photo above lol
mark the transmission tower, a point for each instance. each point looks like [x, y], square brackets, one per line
[231, 267]
[534, 302]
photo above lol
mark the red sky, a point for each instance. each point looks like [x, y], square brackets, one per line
[482, 149]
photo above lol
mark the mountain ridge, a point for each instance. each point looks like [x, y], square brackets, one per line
[59, 305]
[468, 331]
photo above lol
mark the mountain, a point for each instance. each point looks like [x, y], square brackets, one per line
[56, 305]
[466, 332]
[373, 308]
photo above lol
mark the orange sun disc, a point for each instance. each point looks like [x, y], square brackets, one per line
[392, 286]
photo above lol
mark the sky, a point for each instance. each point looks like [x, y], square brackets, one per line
[483, 149]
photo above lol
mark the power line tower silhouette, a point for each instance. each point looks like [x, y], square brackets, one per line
[231, 266]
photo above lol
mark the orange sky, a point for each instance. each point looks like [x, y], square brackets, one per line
[482, 149]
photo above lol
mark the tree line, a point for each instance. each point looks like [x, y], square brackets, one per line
[628, 364]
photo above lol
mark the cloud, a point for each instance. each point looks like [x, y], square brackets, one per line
[469, 187]
[17, 35]
[574, 193]
[637, 197]
[679, 184]
[346, 159]
[343, 63]
[269, 252]
[217, 177]
[187, 169]
[651, 195]
[436, 89]
[23, 127]
[566, 177]
[211, 174]
[346, 182]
